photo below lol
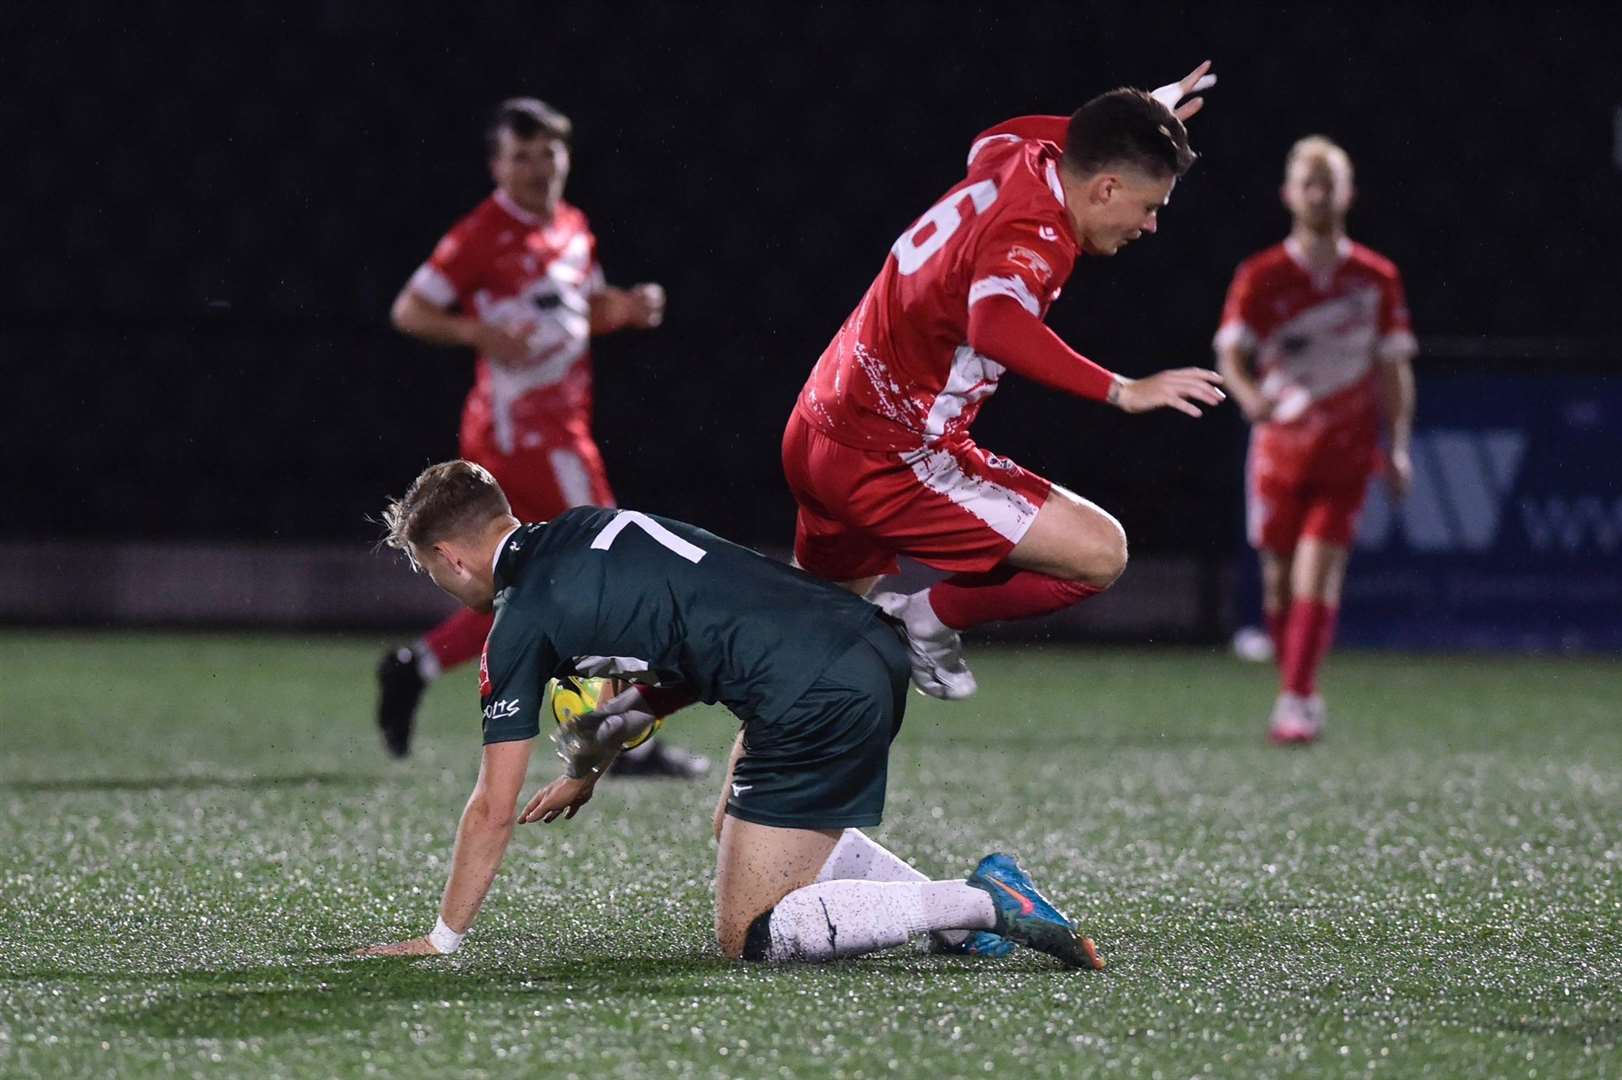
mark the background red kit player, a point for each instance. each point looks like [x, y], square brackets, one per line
[1316, 348]
[878, 451]
[517, 280]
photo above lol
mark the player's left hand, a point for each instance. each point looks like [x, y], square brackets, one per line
[565, 795]
[1179, 389]
[645, 306]
[1399, 472]
[1172, 93]
[417, 946]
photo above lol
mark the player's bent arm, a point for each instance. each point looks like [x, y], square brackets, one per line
[1234, 363]
[424, 320]
[1002, 328]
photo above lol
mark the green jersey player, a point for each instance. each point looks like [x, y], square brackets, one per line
[817, 676]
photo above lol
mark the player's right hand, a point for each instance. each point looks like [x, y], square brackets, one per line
[500, 346]
[1179, 388]
[565, 795]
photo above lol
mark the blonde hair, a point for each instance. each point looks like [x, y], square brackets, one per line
[450, 499]
[1318, 147]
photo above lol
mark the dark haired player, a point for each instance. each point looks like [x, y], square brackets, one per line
[878, 451]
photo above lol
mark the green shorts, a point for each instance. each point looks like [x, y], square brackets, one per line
[823, 764]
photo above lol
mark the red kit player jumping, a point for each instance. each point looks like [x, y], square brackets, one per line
[522, 271]
[878, 452]
[1316, 347]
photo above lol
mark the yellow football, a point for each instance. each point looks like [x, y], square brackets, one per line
[574, 695]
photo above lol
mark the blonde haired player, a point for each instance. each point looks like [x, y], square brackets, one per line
[817, 676]
[1315, 347]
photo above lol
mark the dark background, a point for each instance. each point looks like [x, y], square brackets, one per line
[209, 211]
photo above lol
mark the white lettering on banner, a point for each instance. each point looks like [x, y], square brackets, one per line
[1556, 523]
[1462, 479]
[1462, 486]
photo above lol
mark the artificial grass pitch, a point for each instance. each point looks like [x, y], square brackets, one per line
[197, 830]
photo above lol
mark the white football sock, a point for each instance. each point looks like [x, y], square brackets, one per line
[859, 857]
[427, 663]
[847, 918]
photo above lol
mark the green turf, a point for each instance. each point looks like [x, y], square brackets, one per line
[197, 829]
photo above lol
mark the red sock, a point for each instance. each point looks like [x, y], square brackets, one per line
[664, 700]
[1276, 622]
[1309, 629]
[459, 638]
[966, 600]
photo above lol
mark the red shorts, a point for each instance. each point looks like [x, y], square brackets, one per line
[543, 478]
[955, 507]
[1297, 487]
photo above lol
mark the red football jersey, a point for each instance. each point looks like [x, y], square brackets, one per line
[900, 374]
[508, 268]
[1317, 340]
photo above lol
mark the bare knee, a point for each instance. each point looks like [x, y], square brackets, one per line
[1100, 558]
[1110, 562]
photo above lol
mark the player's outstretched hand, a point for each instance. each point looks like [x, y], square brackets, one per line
[1172, 94]
[565, 795]
[417, 946]
[1179, 389]
[1399, 472]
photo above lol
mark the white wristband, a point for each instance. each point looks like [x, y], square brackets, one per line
[444, 939]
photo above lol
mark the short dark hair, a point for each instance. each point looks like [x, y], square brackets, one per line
[1127, 127]
[526, 117]
[450, 499]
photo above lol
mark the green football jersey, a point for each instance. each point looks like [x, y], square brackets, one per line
[617, 592]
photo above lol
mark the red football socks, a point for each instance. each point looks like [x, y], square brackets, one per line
[1308, 630]
[459, 638]
[966, 600]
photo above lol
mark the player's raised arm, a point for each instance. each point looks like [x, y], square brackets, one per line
[481, 841]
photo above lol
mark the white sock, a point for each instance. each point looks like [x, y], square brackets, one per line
[847, 918]
[427, 663]
[859, 857]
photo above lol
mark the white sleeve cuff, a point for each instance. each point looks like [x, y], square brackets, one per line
[1235, 335]
[432, 285]
[1397, 345]
[1012, 287]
